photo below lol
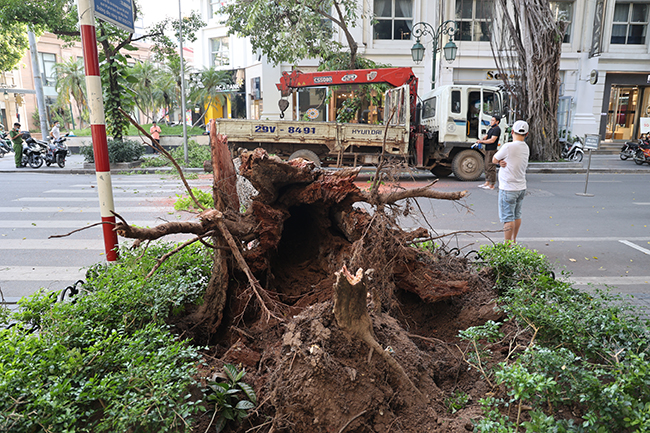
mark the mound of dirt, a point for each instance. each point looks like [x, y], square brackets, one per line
[313, 377]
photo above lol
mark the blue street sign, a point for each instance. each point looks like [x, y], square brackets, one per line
[117, 12]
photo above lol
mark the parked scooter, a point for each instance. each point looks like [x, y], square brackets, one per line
[56, 152]
[33, 151]
[573, 151]
[642, 154]
[629, 150]
[5, 144]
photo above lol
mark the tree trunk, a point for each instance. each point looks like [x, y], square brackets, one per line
[527, 46]
[224, 193]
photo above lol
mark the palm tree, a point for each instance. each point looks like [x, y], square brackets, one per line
[146, 73]
[71, 84]
[208, 88]
[166, 93]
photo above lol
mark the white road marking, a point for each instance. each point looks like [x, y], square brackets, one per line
[74, 224]
[41, 273]
[52, 244]
[478, 237]
[115, 190]
[580, 181]
[46, 209]
[84, 199]
[636, 247]
[610, 281]
[641, 204]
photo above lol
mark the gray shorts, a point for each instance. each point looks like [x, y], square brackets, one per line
[510, 205]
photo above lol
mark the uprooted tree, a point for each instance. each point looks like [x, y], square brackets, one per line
[302, 225]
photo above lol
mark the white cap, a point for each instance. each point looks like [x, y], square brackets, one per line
[520, 127]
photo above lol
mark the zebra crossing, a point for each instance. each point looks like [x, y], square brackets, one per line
[31, 259]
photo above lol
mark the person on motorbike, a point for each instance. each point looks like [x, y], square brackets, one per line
[55, 133]
[17, 138]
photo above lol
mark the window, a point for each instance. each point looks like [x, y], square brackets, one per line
[491, 104]
[429, 108]
[473, 20]
[563, 11]
[220, 51]
[630, 23]
[214, 6]
[394, 19]
[46, 64]
[455, 101]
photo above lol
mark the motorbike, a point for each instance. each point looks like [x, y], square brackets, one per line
[573, 151]
[5, 144]
[33, 151]
[628, 150]
[56, 152]
[642, 154]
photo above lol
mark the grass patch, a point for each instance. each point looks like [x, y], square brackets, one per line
[165, 130]
[196, 156]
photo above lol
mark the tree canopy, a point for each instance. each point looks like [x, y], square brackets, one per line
[60, 18]
[289, 30]
[13, 44]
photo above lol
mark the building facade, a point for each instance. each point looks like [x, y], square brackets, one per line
[604, 69]
[18, 102]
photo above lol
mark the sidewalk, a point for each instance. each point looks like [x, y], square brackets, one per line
[599, 164]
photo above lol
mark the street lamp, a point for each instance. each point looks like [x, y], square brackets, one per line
[6, 95]
[450, 49]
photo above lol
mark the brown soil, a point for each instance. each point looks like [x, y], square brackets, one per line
[312, 377]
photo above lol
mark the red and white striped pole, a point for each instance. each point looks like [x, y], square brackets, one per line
[98, 126]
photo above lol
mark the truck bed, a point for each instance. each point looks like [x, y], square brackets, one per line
[339, 143]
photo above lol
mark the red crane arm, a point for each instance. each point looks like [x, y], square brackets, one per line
[393, 76]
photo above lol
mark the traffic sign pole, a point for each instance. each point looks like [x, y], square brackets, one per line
[98, 127]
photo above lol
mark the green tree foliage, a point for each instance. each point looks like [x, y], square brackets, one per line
[60, 18]
[289, 30]
[71, 84]
[13, 44]
[208, 86]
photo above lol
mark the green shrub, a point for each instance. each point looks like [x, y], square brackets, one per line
[118, 151]
[231, 397]
[196, 155]
[590, 352]
[185, 202]
[106, 362]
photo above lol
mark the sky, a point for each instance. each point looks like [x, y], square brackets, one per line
[156, 10]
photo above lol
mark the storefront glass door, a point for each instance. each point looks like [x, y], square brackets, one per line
[623, 113]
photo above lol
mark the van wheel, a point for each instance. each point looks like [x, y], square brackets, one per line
[306, 154]
[467, 165]
[441, 171]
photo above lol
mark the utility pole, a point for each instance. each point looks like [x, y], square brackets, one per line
[180, 39]
[38, 84]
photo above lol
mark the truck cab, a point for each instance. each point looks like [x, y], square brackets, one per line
[455, 117]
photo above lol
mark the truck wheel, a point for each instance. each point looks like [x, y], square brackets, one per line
[441, 171]
[467, 165]
[306, 154]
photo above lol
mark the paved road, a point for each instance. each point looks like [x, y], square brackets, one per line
[604, 239]
[37, 205]
[601, 240]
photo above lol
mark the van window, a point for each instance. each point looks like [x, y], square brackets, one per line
[429, 108]
[491, 104]
[455, 101]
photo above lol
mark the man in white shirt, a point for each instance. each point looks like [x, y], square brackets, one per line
[55, 133]
[513, 159]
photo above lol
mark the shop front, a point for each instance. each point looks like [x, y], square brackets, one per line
[626, 104]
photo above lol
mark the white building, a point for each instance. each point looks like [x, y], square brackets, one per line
[607, 39]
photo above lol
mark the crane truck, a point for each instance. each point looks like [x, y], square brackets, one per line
[434, 132]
